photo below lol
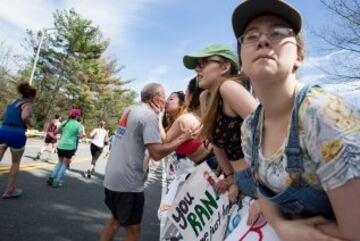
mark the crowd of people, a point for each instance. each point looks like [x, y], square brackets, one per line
[293, 148]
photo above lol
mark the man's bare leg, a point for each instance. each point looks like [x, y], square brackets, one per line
[109, 230]
[132, 233]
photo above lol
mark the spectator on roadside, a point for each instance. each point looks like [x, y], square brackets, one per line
[226, 102]
[302, 142]
[182, 111]
[16, 120]
[138, 130]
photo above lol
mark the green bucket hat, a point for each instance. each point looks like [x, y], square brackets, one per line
[191, 60]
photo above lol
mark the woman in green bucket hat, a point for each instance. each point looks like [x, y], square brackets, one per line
[226, 102]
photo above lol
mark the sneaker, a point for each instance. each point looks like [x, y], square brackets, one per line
[92, 171]
[87, 174]
[57, 184]
[12, 193]
[50, 181]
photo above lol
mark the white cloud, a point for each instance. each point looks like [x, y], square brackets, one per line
[183, 46]
[320, 61]
[312, 72]
[160, 70]
[156, 74]
[322, 69]
[33, 14]
[17, 16]
[312, 78]
[115, 18]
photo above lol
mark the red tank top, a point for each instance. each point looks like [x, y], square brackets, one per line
[188, 147]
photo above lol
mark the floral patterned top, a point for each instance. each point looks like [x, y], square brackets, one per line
[329, 135]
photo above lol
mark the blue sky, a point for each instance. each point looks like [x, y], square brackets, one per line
[150, 37]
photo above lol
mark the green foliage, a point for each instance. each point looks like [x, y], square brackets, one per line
[72, 71]
[7, 80]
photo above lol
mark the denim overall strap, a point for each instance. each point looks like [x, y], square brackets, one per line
[292, 150]
[300, 197]
[246, 179]
[256, 140]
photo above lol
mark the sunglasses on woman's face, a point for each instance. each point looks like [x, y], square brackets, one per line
[202, 63]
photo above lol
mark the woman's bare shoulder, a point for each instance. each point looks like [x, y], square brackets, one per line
[188, 119]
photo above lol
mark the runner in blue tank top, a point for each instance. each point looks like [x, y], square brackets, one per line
[15, 121]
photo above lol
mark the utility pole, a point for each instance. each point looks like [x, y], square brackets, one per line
[37, 56]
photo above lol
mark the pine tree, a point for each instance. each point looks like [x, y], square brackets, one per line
[73, 71]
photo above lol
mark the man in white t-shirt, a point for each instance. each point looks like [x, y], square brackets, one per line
[137, 131]
[99, 137]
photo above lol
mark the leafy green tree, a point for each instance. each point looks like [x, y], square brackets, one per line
[8, 80]
[72, 71]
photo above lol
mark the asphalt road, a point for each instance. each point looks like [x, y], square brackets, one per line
[74, 212]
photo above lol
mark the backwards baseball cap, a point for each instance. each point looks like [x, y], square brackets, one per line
[191, 60]
[74, 112]
[248, 10]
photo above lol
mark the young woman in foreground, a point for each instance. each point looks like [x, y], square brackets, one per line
[303, 143]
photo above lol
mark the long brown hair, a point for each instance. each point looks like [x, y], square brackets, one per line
[168, 119]
[194, 91]
[208, 120]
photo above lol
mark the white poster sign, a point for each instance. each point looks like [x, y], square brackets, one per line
[260, 231]
[198, 211]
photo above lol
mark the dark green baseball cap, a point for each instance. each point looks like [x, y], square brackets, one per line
[191, 60]
[248, 10]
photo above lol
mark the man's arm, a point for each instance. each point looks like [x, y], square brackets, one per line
[159, 150]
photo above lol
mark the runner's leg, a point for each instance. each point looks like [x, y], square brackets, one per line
[42, 149]
[45, 146]
[11, 191]
[16, 158]
[94, 160]
[3, 148]
[62, 170]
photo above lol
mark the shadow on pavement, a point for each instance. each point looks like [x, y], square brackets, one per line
[73, 212]
[30, 157]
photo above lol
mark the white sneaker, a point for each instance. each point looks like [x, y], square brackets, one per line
[12, 194]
